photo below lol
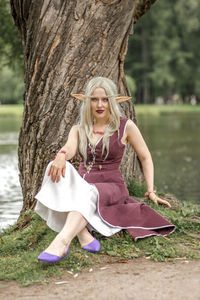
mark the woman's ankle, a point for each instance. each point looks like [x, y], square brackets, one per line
[85, 238]
[58, 247]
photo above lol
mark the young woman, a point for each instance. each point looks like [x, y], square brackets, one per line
[96, 197]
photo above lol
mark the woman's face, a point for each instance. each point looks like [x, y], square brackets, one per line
[100, 106]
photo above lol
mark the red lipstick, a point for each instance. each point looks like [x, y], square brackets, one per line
[99, 111]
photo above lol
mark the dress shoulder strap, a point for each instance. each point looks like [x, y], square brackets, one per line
[122, 127]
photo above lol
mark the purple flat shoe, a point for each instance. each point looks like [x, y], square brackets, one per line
[50, 258]
[94, 246]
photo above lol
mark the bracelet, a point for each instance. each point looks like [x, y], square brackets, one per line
[148, 193]
[64, 152]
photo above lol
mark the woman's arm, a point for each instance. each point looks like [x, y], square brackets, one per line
[71, 145]
[59, 164]
[134, 137]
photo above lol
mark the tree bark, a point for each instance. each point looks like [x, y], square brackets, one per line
[67, 42]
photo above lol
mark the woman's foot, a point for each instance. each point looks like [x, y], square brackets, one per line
[94, 246]
[88, 242]
[85, 237]
[50, 258]
[58, 247]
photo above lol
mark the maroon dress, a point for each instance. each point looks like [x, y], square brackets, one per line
[115, 206]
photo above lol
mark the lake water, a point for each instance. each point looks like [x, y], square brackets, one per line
[10, 190]
[174, 142]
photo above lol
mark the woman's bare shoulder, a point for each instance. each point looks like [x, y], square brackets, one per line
[74, 128]
[131, 125]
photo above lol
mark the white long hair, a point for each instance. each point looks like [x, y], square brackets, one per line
[87, 120]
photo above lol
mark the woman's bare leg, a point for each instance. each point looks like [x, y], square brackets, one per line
[84, 237]
[74, 224]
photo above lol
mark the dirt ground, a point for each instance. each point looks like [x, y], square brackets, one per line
[141, 279]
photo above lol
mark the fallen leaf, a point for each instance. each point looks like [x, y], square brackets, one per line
[166, 238]
[61, 282]
[104, 268]
[124, 261]
[70, 272]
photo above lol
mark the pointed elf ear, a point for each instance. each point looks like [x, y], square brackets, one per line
[79, 96]
[122, 99]
[118, 99]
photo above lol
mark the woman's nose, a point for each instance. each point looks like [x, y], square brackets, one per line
[99, 103]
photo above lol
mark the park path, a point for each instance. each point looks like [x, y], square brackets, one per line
[140, 279]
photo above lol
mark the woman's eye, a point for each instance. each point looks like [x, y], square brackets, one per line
[96, 99]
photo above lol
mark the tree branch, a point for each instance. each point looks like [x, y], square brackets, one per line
[141, 8]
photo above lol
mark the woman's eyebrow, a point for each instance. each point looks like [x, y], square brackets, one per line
[93, 97]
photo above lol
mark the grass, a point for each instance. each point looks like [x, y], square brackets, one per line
[21, 244]
[166, 109]
[11, 110]
[17, 110]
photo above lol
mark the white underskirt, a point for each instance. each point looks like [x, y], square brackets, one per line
[71, 193]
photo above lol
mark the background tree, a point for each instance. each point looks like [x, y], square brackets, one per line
[65, 43]
[10, 45]
[161, 61]
[164, 51]
[11, 58]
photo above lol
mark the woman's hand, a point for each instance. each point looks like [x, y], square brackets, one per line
[57, 168]
[158, 200]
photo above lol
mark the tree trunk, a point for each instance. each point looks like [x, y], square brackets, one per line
[67, 42]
